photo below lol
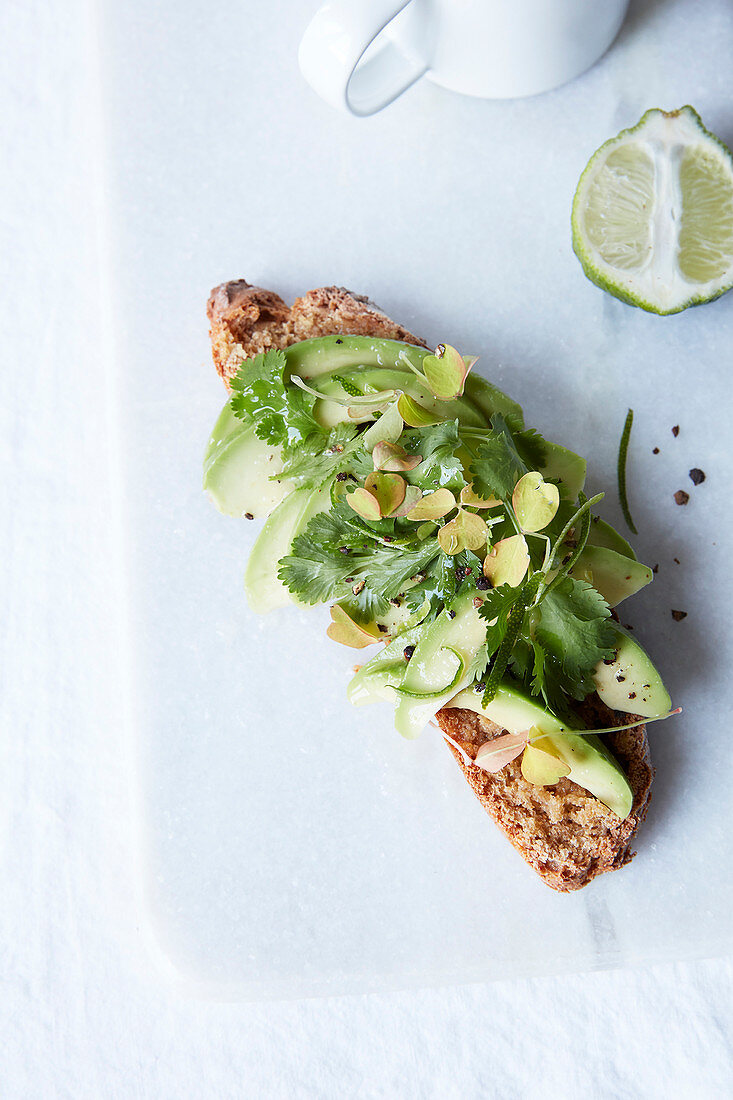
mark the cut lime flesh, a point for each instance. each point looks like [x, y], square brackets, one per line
[653, 214]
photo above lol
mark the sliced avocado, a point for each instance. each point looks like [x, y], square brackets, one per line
[323, 354]
[603, 534]
[433, 664]
[489, 400]
[238, 467]
[262, 586]
[631, 682]
[591, 765]
[613, 575]
[386, 670]
[567, 467]
[370, 379]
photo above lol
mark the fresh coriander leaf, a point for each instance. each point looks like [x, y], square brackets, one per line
[321, 456]
[531, 447]
[443, 579]
[497, 465]
[572, 627]
[537, 685]
[318, 569]
[440, 467]
[258, 393]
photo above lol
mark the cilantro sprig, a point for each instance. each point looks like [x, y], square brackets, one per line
[547, 628]
[340, 557]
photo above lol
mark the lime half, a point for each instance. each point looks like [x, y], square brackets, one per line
[653, 214]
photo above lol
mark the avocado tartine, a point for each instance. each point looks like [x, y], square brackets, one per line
[405, 491]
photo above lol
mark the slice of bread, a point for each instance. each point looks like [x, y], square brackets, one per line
[245, 320]
[565, 834]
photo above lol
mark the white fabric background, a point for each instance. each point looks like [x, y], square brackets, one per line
[83, 1012]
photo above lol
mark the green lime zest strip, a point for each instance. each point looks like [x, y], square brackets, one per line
[441, 691]
[622, 449]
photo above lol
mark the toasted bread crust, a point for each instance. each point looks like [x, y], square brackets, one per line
[245, 320]
[565, 834]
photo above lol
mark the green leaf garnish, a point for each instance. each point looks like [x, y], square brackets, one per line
[338, 550]
[446, 371]
[433, 506]
[535, 501]
[344, 630]
[365, 504]
[389, 490]
[415, 414]
[496, 466]
[466, 532]
[621, 471]
[542, 763]
[282, 415]
[572, 626]
[507, 561]
[472, 500]
[393, 458]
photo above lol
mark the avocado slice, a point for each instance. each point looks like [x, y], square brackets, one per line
[386, 670]
[612, 574]
[566, 467]
[630, 682]
[238, 467]
[488, 399]
[460, 632]
[591, 765]
[264, 590]
[374, 379]
[603, 534]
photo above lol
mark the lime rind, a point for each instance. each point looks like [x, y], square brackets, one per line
[648, 269]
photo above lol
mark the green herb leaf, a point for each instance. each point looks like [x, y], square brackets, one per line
[283, 414]
[338, 551]
[321, 456]
[441, 465]
[572, 626]
[497, 465]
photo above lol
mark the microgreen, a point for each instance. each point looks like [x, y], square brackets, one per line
[535, 501]
[445, 371]
[495, 754]
[472, 500]
[415, 414]
[542, 764]
[466, 532]
[393, 458]
[433, 505]
[389, 490]
[344, 630]
[508, 561]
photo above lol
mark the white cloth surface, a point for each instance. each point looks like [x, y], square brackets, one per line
[83, 1012]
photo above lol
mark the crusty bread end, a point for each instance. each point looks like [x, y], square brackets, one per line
[245, 320]
[565, 834]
